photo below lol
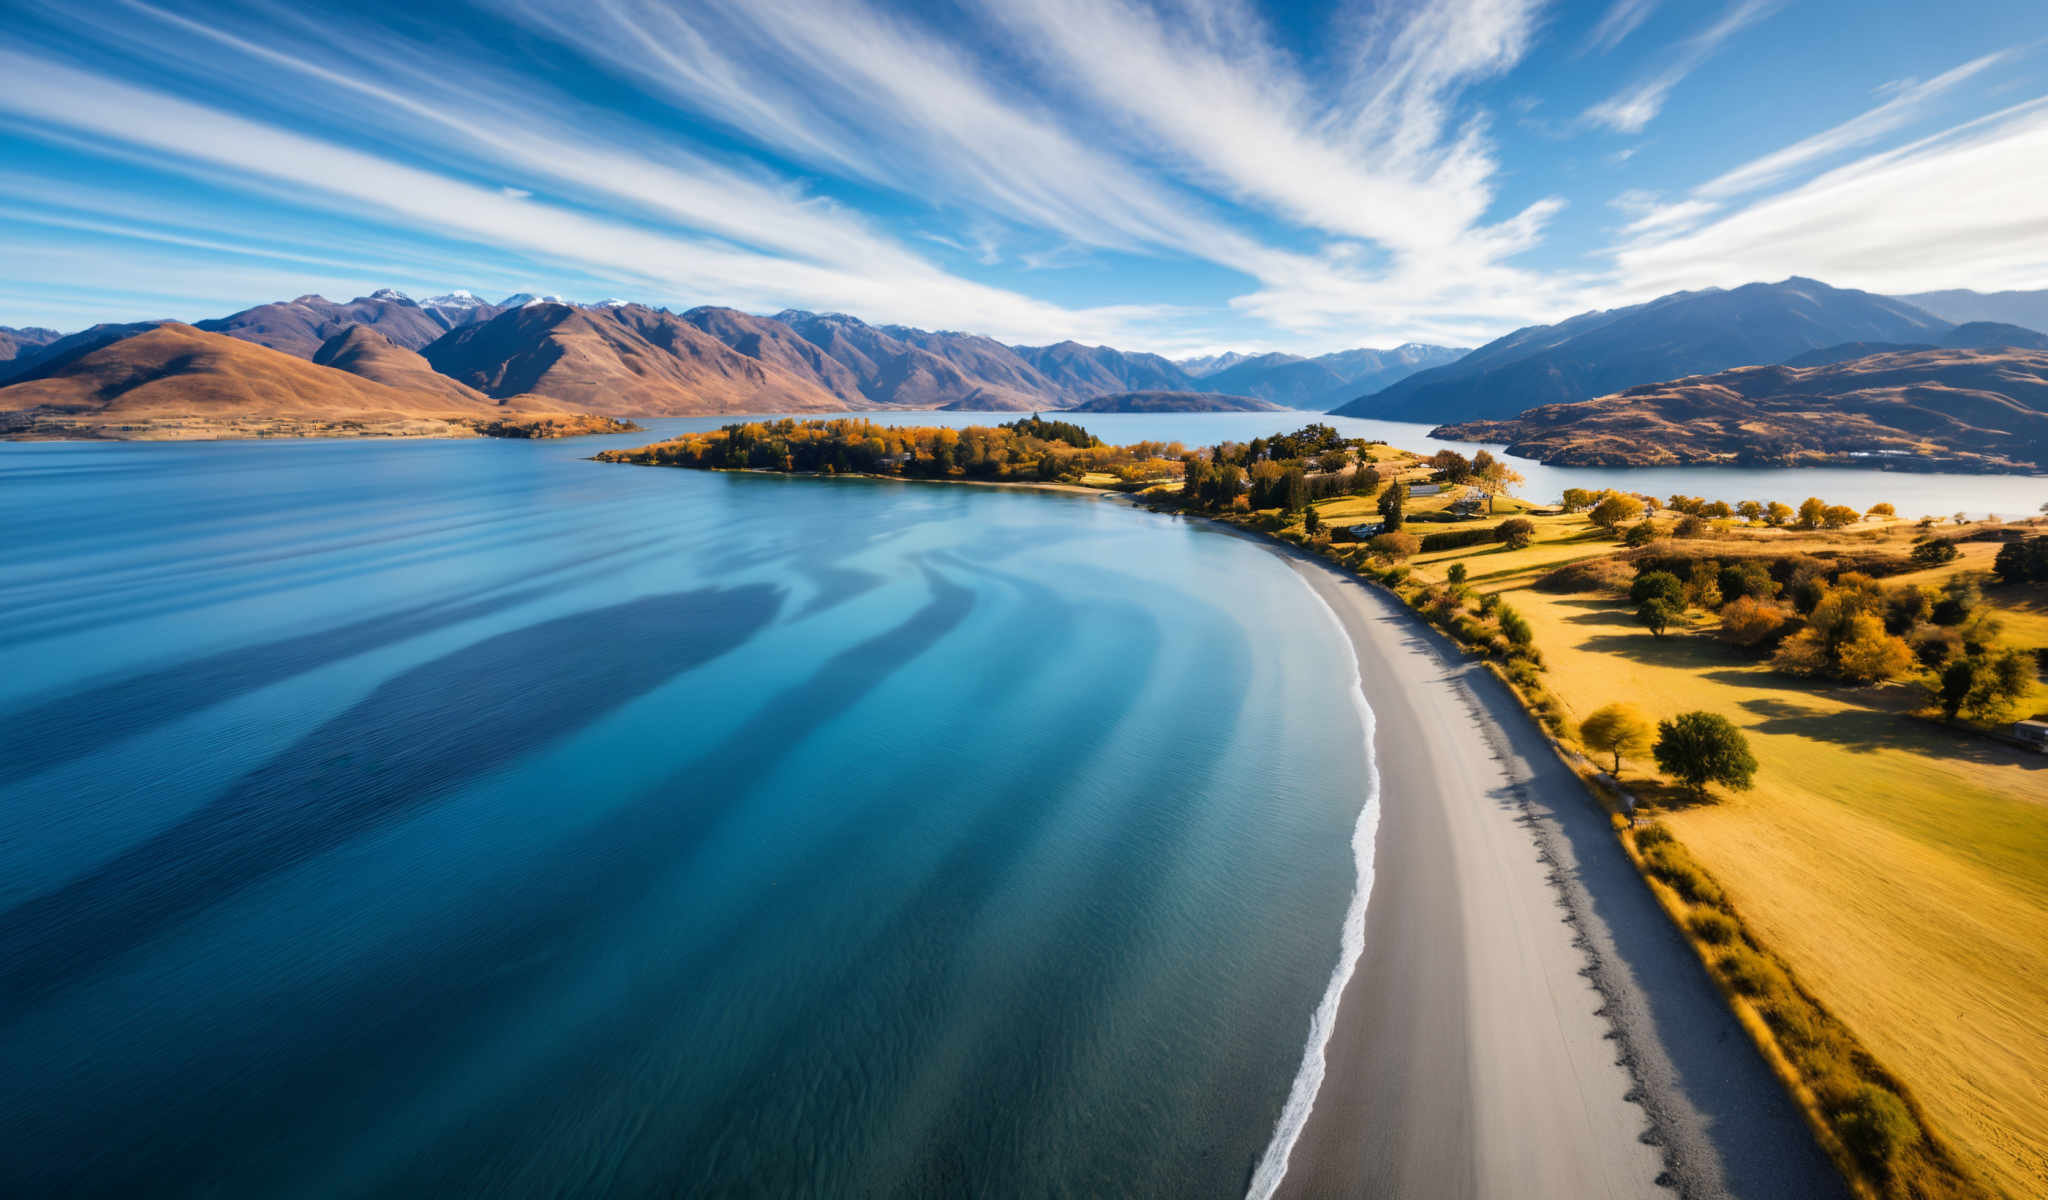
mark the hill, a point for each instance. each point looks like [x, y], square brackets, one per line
[31, 359]
[629, 359]
[1081, 372]
[1683, 334]
[299, 327]
[175, 381]
[16, 342]
[2028, 310]
[771, 341]
[1941, 409]
[1173, 402]
[368, 354]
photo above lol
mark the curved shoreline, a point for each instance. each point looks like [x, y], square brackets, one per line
[1522, 1020]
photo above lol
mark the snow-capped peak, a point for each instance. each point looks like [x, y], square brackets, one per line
[391, 295]
[460, 298]
[611, 303]
[522, 299]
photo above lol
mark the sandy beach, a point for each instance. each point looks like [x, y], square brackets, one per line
[1523, 1022]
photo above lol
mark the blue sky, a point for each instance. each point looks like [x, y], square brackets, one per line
[1175, 177]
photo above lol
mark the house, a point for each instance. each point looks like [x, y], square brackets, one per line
[1424, 489]
[2033, 733]
[1358, 533]
[1465, 506]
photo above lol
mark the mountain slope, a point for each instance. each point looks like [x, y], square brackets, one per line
[363, 352]
[30, 360]
[16, 342]
[178, 381]
[1080, 372]
[1936, 409]
[2029, 310]
[631, 360]
[299, 327]
[1686, 333]
[771, 341]
[1173, 402]
[894, 371]
[1283, 379]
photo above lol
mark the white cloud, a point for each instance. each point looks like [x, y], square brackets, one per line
[1964, 208]
[1634, 107]
[1621, 19]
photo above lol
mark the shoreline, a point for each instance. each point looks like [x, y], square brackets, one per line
[1522, 1019]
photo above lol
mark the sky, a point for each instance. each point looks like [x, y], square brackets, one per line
[1181, 178]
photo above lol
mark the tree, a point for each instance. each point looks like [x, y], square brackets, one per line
[1750, 511]
[1492, 476]
[1392, 501]
[1703, 590]
[1515, 532]
[1615, 508]
[1934, 551]
[1699, 748]
[1365, 480]
[1456, 573]
[1311, 521]
[1579, 500]
[1881, 509]
[1617, 729]
[1868, 654]
[1660, 585]
[1983, 686]
[1657, 614]
[1294, 490]
[1838, 516]
[1453, 466]
[1777, 512]
[1395, 545]
[1811, 511]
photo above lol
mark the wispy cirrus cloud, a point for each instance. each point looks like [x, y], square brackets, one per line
[1622, 18]
[1635, 106]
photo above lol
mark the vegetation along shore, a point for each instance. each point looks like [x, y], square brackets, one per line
[1801, 718]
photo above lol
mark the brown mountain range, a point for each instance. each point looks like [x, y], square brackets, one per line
[631, 359]
[174, 381]
[1934, 409]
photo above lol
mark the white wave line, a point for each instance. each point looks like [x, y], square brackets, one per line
[1301, 1098]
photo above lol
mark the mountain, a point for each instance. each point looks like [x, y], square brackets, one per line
[1936, 409]
[1977, 335]
[894, 371]
[31, 359]
[299, 327]
[460, 308]
[771, 341]
[633, 361]
[1682, 334]
[2029, 310]
[16, 342]
[1368, 371]
[1173, 402]
[1285, 379]
[362, 351]
[1080, 372]
[1209, 364]
[177, 381]
[522, 299]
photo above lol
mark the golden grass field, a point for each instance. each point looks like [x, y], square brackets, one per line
[1900, 868]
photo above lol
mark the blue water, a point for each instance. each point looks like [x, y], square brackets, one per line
[470, 818]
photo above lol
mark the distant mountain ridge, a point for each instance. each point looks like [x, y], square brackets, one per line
[1174, 402]
[1928, 409]
[2029, 310]
[1682, 334]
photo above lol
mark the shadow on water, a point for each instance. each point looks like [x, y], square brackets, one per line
[420, 735]
[57, 731]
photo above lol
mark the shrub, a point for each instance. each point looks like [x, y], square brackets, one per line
[1748, 621]
[1592, 575]
[1657, 614]
[1515, 532]
[1689, 526]
[1751, 974]
[1713, 927]
[1670, 863]
[1640, 535]
[1455, 539]
[1876, 1126]
[1456, 573]
[1615, 508]
[1395, 545]
[1934, 551]
[1657, 585]
[1699, 748]
[1652, 835]
[1514, 625]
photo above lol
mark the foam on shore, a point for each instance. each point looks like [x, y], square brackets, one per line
[1301, 1098]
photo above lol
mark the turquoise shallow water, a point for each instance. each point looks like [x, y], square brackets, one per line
[470, 818]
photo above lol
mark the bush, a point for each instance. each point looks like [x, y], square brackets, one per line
[1714, 927]
[1515, 532]
[1593, 575]
[1395, 545]
[1933, 552]
[1514, 625]
[1456, 573]
[1455, 539]
[1640, 535]
[1670, 863]
[1652, 835]
[1657, 585]
[1748, 621]
[1876, 1126]
[1751, 974]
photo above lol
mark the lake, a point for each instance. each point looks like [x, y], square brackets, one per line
[466, 817]
[384, 818]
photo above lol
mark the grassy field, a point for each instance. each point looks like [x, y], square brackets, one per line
[1898, 867]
